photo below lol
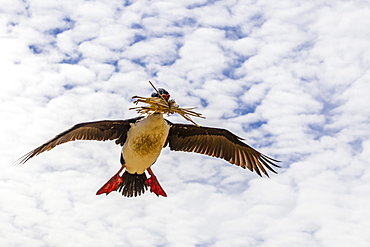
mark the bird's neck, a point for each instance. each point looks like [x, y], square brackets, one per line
[153, 118]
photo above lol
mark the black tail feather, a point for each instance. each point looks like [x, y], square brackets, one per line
[132, 184]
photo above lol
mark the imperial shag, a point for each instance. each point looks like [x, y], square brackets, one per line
[142, 140]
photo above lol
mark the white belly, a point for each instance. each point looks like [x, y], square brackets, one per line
[145, 141]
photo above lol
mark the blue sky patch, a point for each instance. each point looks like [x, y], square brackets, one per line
[72, 59]
[36, 49]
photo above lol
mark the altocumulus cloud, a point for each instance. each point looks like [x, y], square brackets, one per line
[292, 78]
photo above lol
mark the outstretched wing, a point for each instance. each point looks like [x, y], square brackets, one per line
[219, 143]
[99, 130]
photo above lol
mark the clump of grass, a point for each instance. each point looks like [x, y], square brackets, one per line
[160, 105]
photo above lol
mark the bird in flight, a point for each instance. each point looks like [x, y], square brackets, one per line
[142, 139]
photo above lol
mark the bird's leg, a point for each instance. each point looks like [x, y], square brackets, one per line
[112, 184]
[154, 185]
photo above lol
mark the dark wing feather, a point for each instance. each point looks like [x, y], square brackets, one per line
[99, 130]
[219, 143]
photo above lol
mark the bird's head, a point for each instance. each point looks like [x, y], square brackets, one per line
[163, 92]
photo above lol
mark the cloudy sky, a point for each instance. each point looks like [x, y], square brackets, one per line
[292, 78]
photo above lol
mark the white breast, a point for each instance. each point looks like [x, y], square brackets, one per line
[144, 143]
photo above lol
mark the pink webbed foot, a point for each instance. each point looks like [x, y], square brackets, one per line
[154, 185]
[112, 184]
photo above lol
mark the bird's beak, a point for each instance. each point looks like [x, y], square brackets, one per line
[166, 96]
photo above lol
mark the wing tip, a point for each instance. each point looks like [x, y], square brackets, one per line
[24, 158]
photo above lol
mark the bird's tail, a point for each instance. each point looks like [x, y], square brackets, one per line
[132, 184]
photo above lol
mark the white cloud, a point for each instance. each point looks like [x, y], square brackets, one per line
[290, 78]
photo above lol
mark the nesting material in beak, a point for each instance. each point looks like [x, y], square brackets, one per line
[164, 106]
